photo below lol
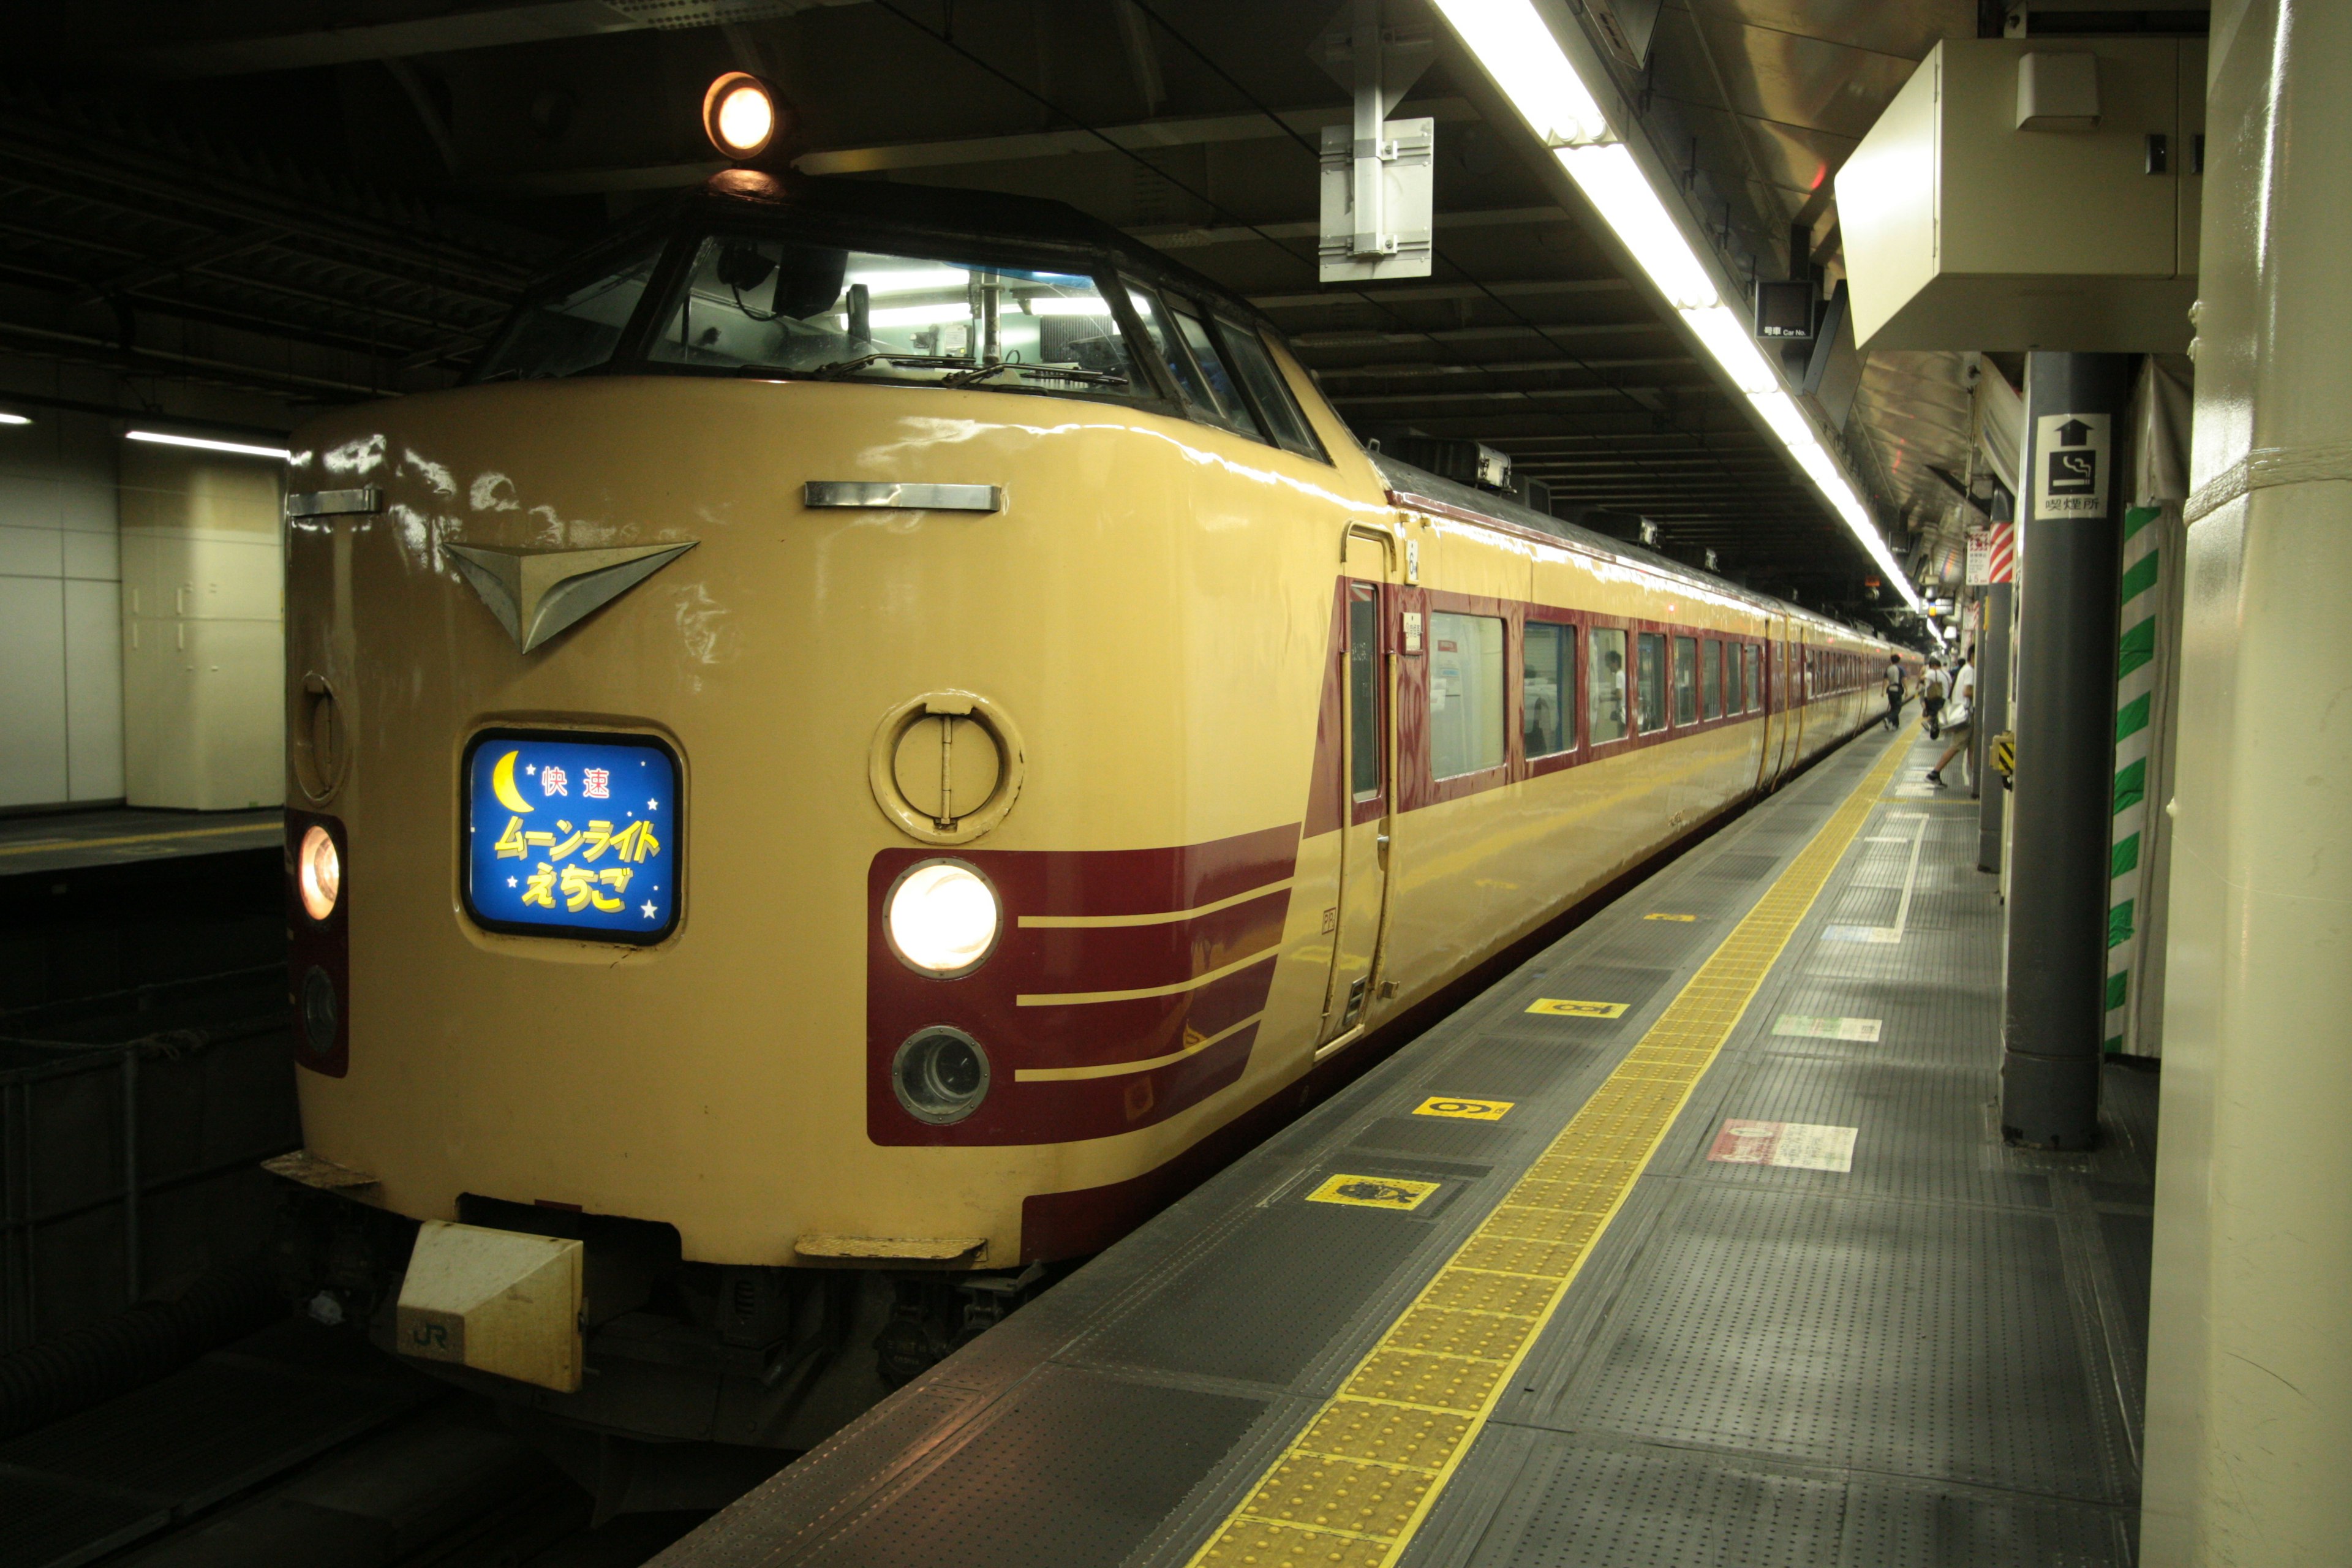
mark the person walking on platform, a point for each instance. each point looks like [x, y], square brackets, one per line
[1958, 720]
[1932, 688]
[1893, 691]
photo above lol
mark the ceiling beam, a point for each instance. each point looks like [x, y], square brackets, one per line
[1416, 293]
[1368, 338]
[1173, 237]
[1190, 130]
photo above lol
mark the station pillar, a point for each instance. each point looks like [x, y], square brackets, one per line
[2250, 1331]
[1993, 718]
[2055, 998]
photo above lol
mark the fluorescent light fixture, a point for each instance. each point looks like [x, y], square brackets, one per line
[913, 280]
[13, 419]
[1515, 47]
[1066, 305]
[241, 449]
[919, 315]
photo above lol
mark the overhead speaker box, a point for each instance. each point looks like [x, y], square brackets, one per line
[2030, 194]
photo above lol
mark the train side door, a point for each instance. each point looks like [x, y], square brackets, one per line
[1367, 800]
[1775, 721]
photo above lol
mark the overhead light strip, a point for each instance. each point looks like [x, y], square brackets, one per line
[203, 443]
[1514, 46]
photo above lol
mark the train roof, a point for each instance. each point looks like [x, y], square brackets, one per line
[1404, 478]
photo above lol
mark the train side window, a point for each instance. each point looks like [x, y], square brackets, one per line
[1547, 688]
[1363, 692]
[1710, 679]
[1751, 680]
[1231, 405]
[1277, 410]
[1649, 682]
[1687, 681]
[1466, 694]
[1605, 670]
[1187, 377]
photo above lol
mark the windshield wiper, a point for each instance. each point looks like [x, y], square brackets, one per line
[982, 373]
[840, 368]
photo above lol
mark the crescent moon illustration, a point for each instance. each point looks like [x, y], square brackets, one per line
[502, 785]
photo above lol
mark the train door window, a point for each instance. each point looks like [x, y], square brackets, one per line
[1180, 368]
[1604, 655]
[1751, 680]
[1649, 682]
[1363, 692]
[1687, 681]
[1710, 679]
[1548, 689]
[1277, 410]
[1466, 694]
[1231, 406]
[578, 324]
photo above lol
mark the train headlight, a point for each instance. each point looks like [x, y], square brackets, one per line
[941, 1075]
[943, 918]
[319, 872]
[739, 115]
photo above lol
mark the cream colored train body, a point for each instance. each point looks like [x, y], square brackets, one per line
[1242, 743]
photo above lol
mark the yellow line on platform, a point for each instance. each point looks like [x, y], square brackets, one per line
[60, 845]
[1352, 1488]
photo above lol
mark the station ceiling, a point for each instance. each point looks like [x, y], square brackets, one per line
[329, 201]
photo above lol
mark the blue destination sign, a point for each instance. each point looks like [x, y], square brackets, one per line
[568, 836]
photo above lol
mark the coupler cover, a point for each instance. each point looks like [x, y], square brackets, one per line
[496, 1300]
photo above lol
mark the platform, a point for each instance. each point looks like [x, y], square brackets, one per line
[68, 841]
[1742, 1275]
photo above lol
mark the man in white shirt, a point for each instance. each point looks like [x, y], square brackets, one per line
[1933, 685]
[1961, 720]
[1894, 691]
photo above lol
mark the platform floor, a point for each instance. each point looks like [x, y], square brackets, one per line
[1742, 1276]
[67, 841]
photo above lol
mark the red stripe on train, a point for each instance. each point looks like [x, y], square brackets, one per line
[1043, 963]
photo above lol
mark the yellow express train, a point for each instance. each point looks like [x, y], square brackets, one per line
[884, 736]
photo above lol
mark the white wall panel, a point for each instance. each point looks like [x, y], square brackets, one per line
[32, 691]
[30, 551]
[93, 643]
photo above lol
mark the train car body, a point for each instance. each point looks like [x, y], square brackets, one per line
[1256, 741]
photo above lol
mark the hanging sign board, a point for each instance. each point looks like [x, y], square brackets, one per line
[1992, 553]
[2070, 464]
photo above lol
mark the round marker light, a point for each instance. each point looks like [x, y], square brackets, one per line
[942, 918]
[739, 115]
[319, 872]
[941, 1075]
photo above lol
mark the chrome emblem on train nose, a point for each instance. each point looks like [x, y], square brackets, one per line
[537, 592]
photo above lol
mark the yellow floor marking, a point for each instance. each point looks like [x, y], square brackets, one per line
[1354, 1487]
[1373, 1192]
[1466, 1110]
[1564, 1008]
[1663, 916]
[47, 845]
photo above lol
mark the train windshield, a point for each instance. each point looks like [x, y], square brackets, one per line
[577, 325]
[757, 305]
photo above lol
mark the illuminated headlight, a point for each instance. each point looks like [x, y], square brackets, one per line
[941, 1075]
[943, 918]
[319, 872]
[739, 115]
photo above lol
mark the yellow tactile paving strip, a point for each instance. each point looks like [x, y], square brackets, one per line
[1351, 1489]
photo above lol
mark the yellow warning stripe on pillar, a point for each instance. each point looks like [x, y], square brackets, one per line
[1352, 1488]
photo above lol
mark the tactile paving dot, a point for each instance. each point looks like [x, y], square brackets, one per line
[1439, 1381]
[1339, 1494]
[1387, 1433]
[1256, 1543]
[1485, 1336]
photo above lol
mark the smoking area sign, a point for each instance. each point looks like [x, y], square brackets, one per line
[2071, 459]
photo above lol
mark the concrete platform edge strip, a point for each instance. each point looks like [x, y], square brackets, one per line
[1354, 1487]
